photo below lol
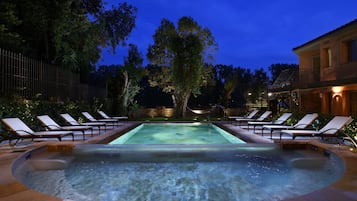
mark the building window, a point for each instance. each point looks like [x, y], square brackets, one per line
[352, 51]
[327, 57]
[316, 68]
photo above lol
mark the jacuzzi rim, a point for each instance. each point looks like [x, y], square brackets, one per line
[310, 196]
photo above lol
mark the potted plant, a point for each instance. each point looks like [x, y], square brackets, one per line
[350, 132]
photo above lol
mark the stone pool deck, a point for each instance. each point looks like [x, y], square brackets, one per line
[12, 190]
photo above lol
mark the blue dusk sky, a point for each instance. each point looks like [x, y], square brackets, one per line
[250, 34]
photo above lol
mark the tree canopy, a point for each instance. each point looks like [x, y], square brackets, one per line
[123, 81]
[69, 33]
[181, 52]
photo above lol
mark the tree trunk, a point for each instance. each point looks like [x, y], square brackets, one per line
[184, 106]
[123, 97]
[174, 102]
[181, 104]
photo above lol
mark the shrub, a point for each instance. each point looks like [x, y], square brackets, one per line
[27, 110]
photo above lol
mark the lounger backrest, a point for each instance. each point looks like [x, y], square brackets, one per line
[17, 126]
[88, 116]
[335, 124]
[103, 114]
[48, 122]
[252, 114]
[283, 118]
[306, 120]
[69, 119]
[265, 115]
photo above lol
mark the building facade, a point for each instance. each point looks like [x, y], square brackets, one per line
[327, 78]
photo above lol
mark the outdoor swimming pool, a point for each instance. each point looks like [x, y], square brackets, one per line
[180, 172]
[177, 133]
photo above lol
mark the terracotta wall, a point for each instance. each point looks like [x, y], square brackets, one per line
[305, 66]
[340, 103]
[310, 102]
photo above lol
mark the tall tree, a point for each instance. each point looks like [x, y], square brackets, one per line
[68, 32]
[244, 77]
[9, 19]
[131, 75]
[231, 84]
[258, 87]
[183, 50]
[123, 81]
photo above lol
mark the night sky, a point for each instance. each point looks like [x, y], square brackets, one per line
[250, 34]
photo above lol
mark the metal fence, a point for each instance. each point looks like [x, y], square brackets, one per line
[28, 77]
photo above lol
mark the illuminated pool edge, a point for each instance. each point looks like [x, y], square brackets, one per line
[225, 134]
[123, 138]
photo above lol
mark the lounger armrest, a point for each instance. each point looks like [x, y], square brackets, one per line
[16, 131]
[330, 129]
[338, 133]
[14, 135]
[297, 125]
[76, 122]
[48, 126]
[277, 121]
[301, 125]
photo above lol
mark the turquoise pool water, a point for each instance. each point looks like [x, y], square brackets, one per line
[227, 172]
[177, 133]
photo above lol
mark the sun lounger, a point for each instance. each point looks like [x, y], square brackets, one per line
[331, 129]
[22, 131]
[301, 124]
[280, 121]
[262, 117]
[90, 118]
[50, 124]
[105, 116]
[250, 115]
[71, 121]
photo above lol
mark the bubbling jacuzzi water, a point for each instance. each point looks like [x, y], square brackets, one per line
[172, 172]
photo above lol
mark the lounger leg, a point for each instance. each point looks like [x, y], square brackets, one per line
[17, 140]
[84, 135]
